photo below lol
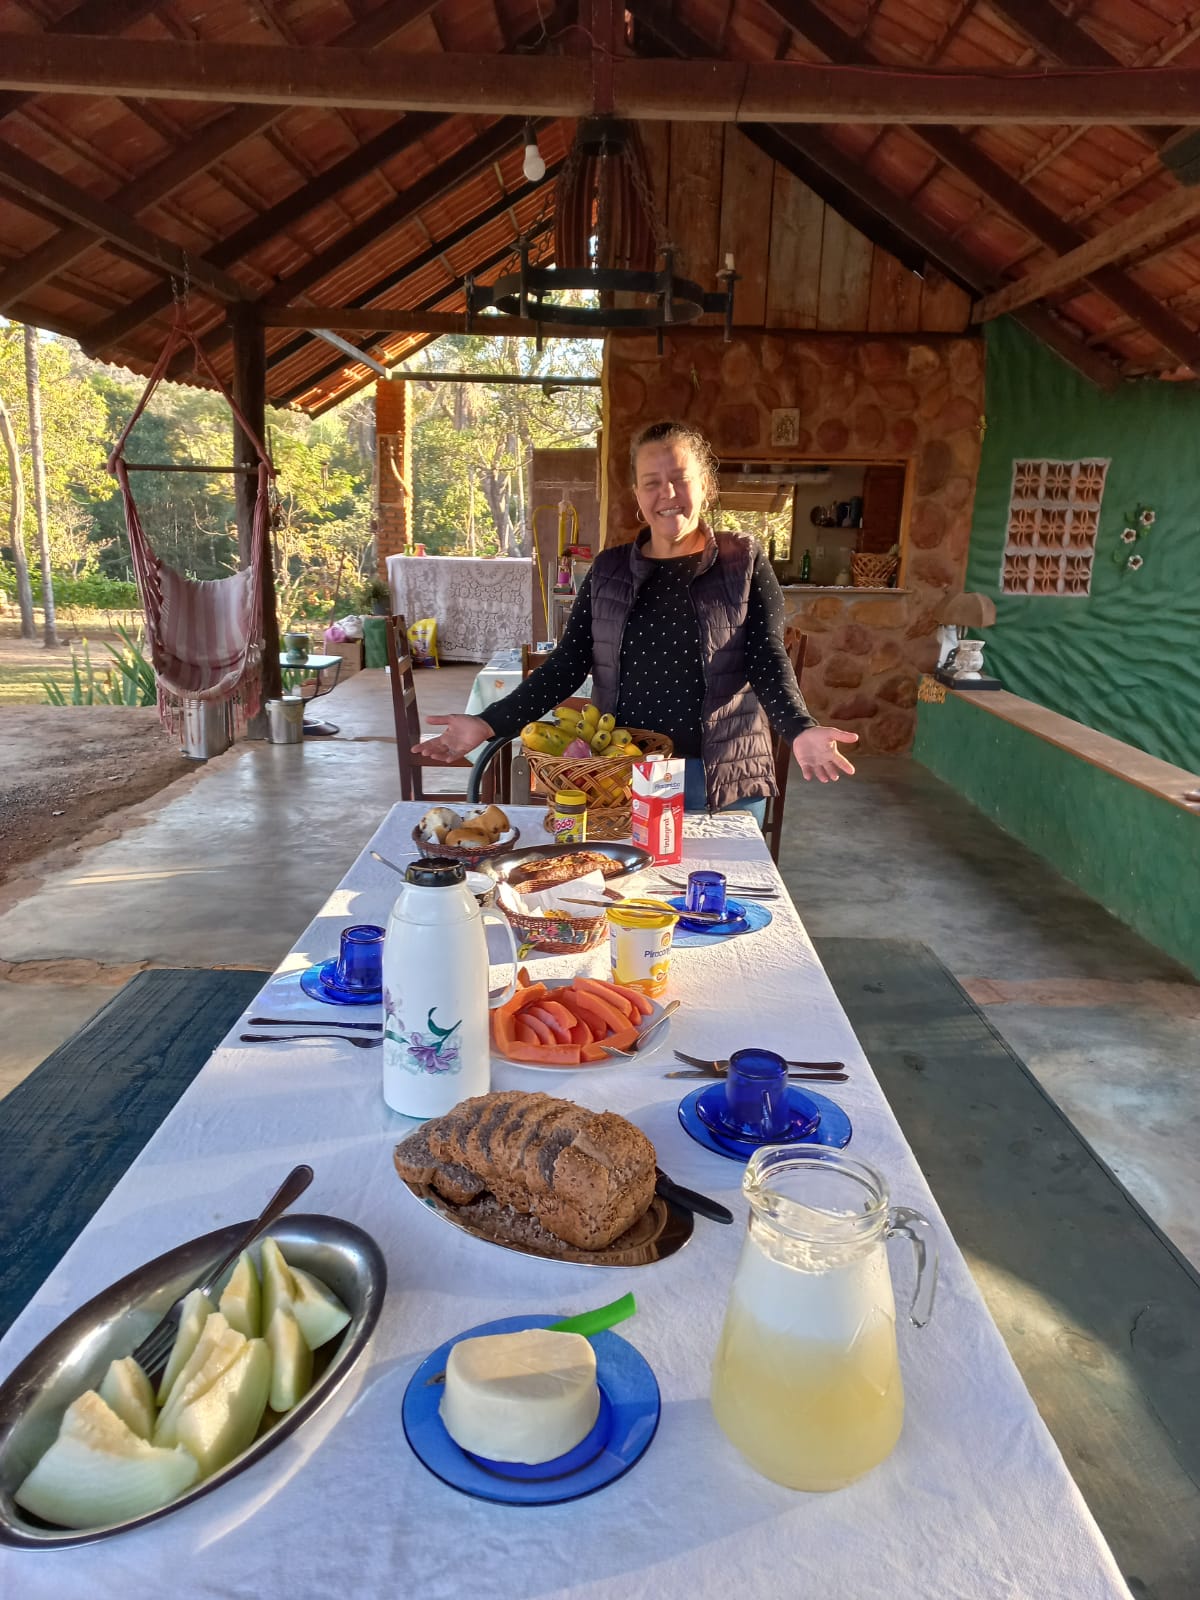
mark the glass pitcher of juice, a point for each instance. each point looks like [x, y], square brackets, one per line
[806, 1381]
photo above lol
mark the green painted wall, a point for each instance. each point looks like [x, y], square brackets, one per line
[1126, 658]
[1137, 855]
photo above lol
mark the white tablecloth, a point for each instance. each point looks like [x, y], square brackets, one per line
[974, 1504]
[481, 605]
[500, 676]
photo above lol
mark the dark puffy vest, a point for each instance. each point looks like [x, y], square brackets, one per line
[735, 737]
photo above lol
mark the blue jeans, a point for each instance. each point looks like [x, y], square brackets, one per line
[695, 794]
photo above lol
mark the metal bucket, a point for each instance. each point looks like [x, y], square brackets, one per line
[285, 720]
[206, 728]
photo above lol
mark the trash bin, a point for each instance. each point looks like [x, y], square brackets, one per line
[285, 720]
[375, 641]
[206, 728]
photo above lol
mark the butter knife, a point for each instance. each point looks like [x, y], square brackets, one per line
[721, 1066]
[793, 1077]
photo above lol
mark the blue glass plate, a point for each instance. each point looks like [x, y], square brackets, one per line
[628, 1420]
[748, 917]
[320, 983]
[804, 1118]
[833, 1129]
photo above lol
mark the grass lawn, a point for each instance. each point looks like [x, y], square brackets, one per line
[25, 664]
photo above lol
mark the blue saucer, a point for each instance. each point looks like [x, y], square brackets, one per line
[803, 1120]
[628, 1419]
[320, 983]
[742, 917]
[833, 1129]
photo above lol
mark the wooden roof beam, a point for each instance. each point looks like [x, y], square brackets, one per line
[399, 320]
[458, 323]
[936, 246]
[1003, 190]
[260, 230]
[689, 91]
[206, 147]
[1162, 216]
[460, 166]
[359, 303]
[103, 17]
[23, 178]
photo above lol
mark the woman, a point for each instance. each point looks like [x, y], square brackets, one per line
[682, 631]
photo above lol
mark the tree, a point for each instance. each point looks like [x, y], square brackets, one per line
[16, 520]
[37, 458]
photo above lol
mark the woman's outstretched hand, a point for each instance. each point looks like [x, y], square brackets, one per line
[816, 749]
[462, 735]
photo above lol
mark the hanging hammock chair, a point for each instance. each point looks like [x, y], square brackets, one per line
[204, 634]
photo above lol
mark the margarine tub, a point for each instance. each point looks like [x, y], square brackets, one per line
[639, 937]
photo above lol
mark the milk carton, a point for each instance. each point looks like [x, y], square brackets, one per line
[657, 823]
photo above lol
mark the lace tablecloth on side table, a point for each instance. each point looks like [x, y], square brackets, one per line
[481, 605]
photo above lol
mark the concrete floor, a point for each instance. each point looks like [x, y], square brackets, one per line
[227, 870]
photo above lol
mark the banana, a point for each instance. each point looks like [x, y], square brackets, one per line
[601, 742]
[622, 736]
[607, 723]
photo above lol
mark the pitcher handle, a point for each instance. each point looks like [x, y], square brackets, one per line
[510, 988]
[919, 1233]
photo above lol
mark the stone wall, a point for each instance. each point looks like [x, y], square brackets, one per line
[911, 398]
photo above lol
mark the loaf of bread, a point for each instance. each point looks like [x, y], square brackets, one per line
[584, 1176]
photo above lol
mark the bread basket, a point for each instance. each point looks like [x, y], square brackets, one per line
[606, 780]
[557, 935]
[871, 571]
[469, 857]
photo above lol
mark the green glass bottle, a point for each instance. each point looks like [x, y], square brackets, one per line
[806, 567]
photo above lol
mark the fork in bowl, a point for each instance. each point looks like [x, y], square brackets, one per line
[151, 1355]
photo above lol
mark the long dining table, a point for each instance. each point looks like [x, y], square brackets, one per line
[975, 1503]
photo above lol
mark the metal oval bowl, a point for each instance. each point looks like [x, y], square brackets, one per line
[631, 856]
[76, 1355]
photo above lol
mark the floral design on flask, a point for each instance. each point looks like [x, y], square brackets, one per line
[434, 1052]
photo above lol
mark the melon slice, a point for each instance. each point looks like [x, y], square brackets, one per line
[291, 1360]
[278, 1284]
[219, 1423]
[98, 1471]
[241, 1303]
[197, 1308]
[128, 1390]
[220, 1345]
[318, 1310]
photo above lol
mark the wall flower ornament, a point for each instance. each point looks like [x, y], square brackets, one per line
[1137, 526]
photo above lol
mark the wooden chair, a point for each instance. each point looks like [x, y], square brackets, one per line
[495, 786]
[773, 822]
[532, 659]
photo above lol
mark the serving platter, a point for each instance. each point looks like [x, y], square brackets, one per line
[662, 1231]
[655, 1013]
[76, 1355]
[631, 856]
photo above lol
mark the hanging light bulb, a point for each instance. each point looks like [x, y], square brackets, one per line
[533, 166]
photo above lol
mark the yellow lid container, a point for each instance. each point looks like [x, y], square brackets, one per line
[639, 936]
[570, 800]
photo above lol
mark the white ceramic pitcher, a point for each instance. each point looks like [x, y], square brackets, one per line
[436, 1048]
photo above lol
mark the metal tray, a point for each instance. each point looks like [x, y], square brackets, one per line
[632, 857]
[76, 1355]
[664, 1229]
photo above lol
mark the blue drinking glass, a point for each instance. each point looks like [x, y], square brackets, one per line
[360, 958]
[756, 1094]
[706, 892]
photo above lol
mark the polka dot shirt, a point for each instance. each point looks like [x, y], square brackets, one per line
[662, 664]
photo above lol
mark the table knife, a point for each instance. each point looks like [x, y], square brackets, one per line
[721, 1065]
[675, 1193]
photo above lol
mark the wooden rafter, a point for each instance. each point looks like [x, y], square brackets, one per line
[1161, 217]
[223, 135]
[22, 177]
[358, 306]
[403, 321]
[680, 91]
[458, 324]
[923, 235]
[1003, 190]
[92, 17]
[261, 229]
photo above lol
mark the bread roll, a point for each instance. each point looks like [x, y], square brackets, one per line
[467, 839]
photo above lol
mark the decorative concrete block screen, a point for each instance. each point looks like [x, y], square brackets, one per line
[1053, 518]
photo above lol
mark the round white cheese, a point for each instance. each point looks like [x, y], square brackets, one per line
[527, 1397]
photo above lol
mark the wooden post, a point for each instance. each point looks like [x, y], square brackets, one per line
[33, 386]
[249, 391]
